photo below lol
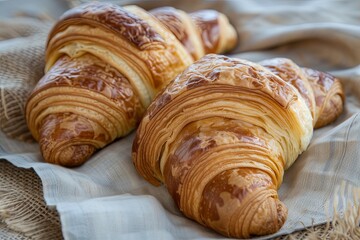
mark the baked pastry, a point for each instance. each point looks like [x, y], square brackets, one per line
[322, 92]
[104, 65]
[222, 133]
[201, 32]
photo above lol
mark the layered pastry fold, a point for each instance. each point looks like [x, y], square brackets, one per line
[105, 64]
[222, 133]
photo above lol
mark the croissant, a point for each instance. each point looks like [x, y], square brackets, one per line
[105, 64]
[220, 136]
[323, 94]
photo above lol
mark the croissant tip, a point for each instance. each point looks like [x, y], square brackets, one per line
[271, 222]
[282, 212]
[74, 156]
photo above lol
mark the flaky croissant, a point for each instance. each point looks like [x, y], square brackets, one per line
[221, 134]
[104, 65]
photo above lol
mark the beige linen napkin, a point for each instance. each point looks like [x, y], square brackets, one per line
[22, 43]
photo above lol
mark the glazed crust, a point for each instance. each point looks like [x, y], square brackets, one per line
[293, 74]
[216, 138]
[184, 29]
[104, 65]
[126, 38]
[88, 102]
[322, 92]
[220, 137]
[218, 36]
[329, 96]
[201, 32]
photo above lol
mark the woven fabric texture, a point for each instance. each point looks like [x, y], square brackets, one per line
[22, 65]
[25, 216]
[22, 206]
[8, 234]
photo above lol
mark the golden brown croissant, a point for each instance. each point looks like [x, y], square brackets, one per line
[104, 65]
[322, 92]
[201, 32]
[221, 134]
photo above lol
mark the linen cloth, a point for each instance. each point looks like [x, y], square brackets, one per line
[106, 198]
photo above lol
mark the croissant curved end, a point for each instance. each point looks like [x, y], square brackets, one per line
[329, 96]
[273, 216]
[74, 155]
[241, 203]
[267, 219]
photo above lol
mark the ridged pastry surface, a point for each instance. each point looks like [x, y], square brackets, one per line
[221, 135]
[329, 96]
[184, 29]
[99, 99]
[321, 91]
[104, 65]
[128, 38]
[288, 71]
[217, 137]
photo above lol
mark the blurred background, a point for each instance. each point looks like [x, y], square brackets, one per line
[42, 8]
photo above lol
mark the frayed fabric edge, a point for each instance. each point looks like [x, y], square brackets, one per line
[20, 214]
[345, 223]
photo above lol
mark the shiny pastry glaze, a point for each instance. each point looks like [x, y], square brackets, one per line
[219, 137]
[116, 18]
[208, 23]
[199, 168]
[162, 100]
[323, 80]
[172, 20]
[197, 139]
[329, 95]
[209, 68]
[224, 183]
[291, 73]
[99, 105]
[61, 128]
[321, 91]
[321, 83]
[92, 74]
[107, 47]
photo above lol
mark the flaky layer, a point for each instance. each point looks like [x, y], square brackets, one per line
[104, 65]
[293, 74]
[184, 29]
[90, 90]
[218, 138]
[217, 35]
[329, 96]
[131, 40]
